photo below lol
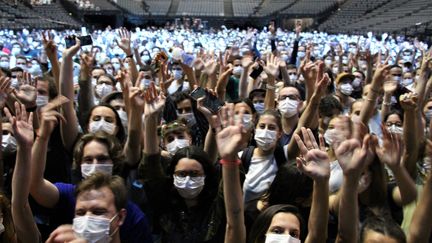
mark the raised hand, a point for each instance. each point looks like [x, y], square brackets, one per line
[154, 103]
[87, 62]
[49, 116]
[49, 45]
[351, 156]
[27, 90]
[390, 152]
[210, 66]
[125, 41]
[272, 66]
[22, 125]
[247, 62]
[5, 90]
[314, 161]
[229, 136]
[408, 101]
[390, 86]
[64, 233]
[73, 50]
[381, 72]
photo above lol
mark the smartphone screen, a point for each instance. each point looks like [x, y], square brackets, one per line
[70, 41]
[256, 72]
[211, 102]
[198, 93]
[86, 40]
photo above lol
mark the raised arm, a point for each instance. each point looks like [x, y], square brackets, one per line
[222, 82]
[351, 156]
[390, 154]
[272, 70]
[421, 224]
[375, 90]
[314, 162]
[125, 45]
[51, 52]
[210, 139]
[69, 130]
[309, 117]
[44, 192]
[411, 136]
[22, 126]
[153, 107]
[133, 146]
[247, 64]
[229, 142]
[85, 95]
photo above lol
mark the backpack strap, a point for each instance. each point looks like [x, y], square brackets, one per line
[247, 157]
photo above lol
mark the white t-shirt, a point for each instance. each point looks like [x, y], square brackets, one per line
[175, 86]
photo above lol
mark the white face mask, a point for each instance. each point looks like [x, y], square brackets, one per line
[407, 81]
[395, 129]
[103, 89]
[93, 229]
[328, 62]
[41, 100]
[123, 117]
[277, 238]
[259, 107]
[335, 70]
[178, 74]
[293, 78]
[94, 81]
[247, 121]
[397, 78]
[346, 89]
[9, 144]
[102, 125]
[88, 169]
[265, 139]
[116, 66]
[15, 51]
[428, 115]
[177, 144]
[4, 64]
[189, 187]
[238, 70]
[301, 54]
[22, 66]
[14, 83]
[145, 83]
[356, 82]
[288, 107]
[330, 136]
[189, 117]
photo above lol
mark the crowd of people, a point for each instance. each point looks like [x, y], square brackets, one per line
[219, 135]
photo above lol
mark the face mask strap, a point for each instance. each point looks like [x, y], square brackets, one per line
[117, 228]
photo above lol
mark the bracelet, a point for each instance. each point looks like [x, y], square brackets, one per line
[229, 162]
[129, 56]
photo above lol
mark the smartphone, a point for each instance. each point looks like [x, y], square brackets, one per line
[256, 72]
[85, 40]
[211, 102]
